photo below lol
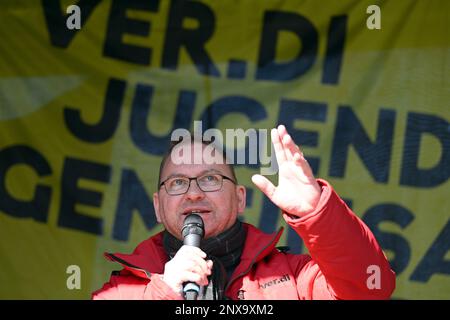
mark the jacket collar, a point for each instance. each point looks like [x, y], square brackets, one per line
[258, 245]
[149, 256]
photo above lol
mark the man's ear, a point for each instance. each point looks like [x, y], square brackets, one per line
[241, 195]
[156, 206]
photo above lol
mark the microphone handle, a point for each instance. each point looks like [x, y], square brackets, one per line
[193, 240]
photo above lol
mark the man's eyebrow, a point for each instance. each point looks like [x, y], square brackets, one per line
[173, 175]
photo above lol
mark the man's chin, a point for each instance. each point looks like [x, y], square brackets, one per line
[208, 233]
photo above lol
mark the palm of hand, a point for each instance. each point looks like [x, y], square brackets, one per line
[296, 192]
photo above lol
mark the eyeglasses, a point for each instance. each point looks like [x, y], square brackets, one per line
[207, 183]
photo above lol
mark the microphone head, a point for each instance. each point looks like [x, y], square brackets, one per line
[193, 224]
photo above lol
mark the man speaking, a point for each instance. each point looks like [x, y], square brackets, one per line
[236, 260]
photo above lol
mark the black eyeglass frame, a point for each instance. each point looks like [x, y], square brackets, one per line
[196, 181]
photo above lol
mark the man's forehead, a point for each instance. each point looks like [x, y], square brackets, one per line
[196, 153]
[194, 158]
[193, 169]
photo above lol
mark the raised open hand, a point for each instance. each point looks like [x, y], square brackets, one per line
[298, 192]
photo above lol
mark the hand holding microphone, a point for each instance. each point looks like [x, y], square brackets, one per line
[189, 267]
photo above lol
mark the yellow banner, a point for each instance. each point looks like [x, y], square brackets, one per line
[90, 92]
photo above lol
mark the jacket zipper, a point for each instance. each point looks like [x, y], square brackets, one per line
[251, 264]
[129, 265]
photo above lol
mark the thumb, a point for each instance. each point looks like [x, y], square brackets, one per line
[264, 185]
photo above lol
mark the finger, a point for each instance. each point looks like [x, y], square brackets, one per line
[297, 158]
[282, 131]
[180, 267]
[189, 258]
[278, 146]
[264, 185]
[188, 276]
[289, 147]
[194, 263]
[209, 264]
[300, 160]
[203, 279]
[288, 143]
[203, 270]
[191, 250]
[195, 268]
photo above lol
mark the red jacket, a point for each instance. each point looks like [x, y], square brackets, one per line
[343, 253]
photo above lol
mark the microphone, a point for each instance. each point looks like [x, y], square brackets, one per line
[193, 231]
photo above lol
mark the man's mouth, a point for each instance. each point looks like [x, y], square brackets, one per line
[196, 210]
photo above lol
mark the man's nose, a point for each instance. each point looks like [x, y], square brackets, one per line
[194, 192]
